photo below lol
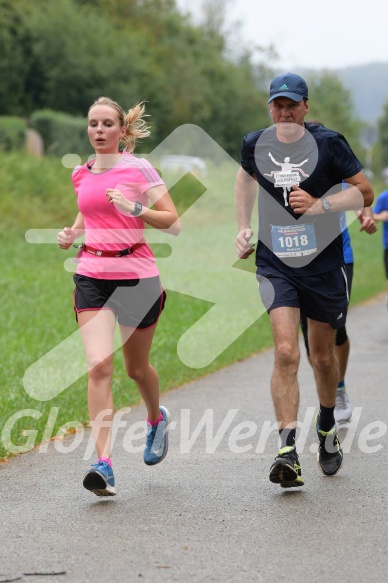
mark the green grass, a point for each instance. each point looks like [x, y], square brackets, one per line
[37, 310]
[369, 274]
[37, 313]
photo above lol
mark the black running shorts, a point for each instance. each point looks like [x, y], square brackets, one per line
[322, 297]
[137, 303]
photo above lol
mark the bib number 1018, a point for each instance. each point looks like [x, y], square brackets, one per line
[295, 241]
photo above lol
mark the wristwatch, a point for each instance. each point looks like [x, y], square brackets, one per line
[137, 210]
[325, 204]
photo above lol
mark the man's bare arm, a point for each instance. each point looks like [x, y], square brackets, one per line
[245, 193]
[358, 195]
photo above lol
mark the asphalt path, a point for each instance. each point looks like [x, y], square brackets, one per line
[208, 513]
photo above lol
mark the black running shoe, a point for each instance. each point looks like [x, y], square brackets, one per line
[285, 469]
[330, 455]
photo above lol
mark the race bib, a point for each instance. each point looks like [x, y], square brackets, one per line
[293, 241]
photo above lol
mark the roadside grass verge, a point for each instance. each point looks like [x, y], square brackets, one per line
[37, 309]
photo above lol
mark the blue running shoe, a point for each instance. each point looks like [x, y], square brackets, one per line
[100, 479]
[157, 440]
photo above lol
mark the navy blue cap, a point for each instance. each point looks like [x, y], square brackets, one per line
[288, 85]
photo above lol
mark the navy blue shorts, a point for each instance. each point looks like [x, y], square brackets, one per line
[322, 297]
[137, 303]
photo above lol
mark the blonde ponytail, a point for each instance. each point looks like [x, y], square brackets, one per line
[136, 127]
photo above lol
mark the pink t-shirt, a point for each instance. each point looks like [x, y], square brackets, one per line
[107, 228]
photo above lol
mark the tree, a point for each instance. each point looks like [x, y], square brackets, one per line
[380, 150]
[63, 55]
[332, 105]
[15, 58]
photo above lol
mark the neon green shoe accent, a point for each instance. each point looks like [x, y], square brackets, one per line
[324, 433]
[329, 454]
[286, 449]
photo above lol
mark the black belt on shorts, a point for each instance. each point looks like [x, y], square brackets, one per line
[100, 253]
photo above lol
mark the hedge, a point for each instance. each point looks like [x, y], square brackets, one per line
[12, 133]
[61, 133]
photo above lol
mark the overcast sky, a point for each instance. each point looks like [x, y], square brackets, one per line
[309, 33]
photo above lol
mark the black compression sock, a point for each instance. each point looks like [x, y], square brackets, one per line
[287, 437]
[326, 418]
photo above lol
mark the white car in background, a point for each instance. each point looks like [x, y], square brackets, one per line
[183, 164]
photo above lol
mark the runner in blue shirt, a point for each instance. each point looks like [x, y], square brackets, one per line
[380, 213]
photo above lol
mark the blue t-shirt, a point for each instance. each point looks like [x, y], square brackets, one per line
[347, 247]
[348, 251]
[318, 162]
[382, 205]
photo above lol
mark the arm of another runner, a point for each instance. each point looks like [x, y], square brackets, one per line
[382, 216]
[68, 235]
[245, 196]
[368, 224]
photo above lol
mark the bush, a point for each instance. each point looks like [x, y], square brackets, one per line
[12, 133]
[62, 134]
